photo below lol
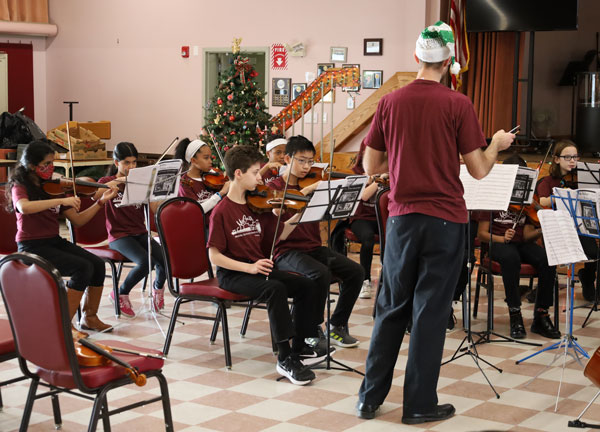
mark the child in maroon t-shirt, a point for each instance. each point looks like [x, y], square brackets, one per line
[235, 241]
[513, 242]
[302, 251]
[38, 232]
[127, 233]
[275, 150]
[198, 160]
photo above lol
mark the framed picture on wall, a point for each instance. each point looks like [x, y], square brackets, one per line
[338, 54]
[373, 47]
[351, 89]
[297, 88]
[372, 79]
[322, 67]
[281, 91]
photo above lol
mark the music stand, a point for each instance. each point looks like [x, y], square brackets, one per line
[323, 206]
[563, 247]
[144, 185]
[521, 195]
[588, 177]
[492, 193]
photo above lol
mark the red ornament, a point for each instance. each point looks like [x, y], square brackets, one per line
[232, 133]
[231, 118]
[219, 101]
[230, 96]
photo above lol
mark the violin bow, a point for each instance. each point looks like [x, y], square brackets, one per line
[167, 150]
[212, 137]
[71, 154]
[539, 167]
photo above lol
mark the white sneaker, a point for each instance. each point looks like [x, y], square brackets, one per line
[365, 291]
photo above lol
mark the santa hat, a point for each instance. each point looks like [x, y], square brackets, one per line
[436, 44]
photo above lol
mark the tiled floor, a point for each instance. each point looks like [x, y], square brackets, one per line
[207, 397]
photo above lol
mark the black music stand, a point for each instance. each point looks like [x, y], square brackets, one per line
[522, 194]
[325, 207]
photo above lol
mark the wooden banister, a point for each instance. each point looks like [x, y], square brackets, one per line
[361, 117]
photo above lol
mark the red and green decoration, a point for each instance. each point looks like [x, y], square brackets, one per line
[237, 113]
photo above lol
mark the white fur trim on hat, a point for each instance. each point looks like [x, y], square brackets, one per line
[275, 143]
[193, 148]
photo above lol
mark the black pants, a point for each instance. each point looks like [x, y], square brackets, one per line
[420, 270]
[320, 265]
[590, 247]
[135, 249]
[275, 292]
[84, 268]
[365, 231]
[469, 254]
[510, 256]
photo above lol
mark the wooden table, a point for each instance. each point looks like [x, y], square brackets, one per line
[9, 164]
[66, 164]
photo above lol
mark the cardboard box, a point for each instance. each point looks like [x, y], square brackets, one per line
[99, 128]
[84, 143]
[81, 155]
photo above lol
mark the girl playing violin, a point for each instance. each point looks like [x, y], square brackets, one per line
[38, 232]
[276, 153]
[198, 157]
[364, 222]
[127, 233]
[562, 175]
[513, 242]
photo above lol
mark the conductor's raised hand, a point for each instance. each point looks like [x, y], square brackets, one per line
[502, 139]
[262, 266]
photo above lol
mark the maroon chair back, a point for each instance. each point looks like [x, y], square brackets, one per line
[29, 283]
[381, 210]
[94, 231]
[8, 222]
[181, 230]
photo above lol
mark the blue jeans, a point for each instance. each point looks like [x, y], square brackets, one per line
[135, 249]
[422, 261]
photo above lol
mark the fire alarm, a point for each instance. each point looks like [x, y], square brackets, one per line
[185, 51]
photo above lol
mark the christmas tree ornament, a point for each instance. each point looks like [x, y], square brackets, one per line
[231, 118]
[219, 101]
[230, 97]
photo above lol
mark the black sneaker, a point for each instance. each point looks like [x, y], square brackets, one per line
[339, 335]
[295, 371]
[311, 355]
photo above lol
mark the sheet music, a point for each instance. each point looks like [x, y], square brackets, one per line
[588, 175]
[346, 203]
[560, 238]
[582, 205]
[493, 192]
[152, 183]
[524, 187]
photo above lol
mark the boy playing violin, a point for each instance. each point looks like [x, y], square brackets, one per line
[275, 151]
[198, 159]
[302, 251]
[236, 234]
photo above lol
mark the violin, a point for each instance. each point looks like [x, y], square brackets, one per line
[569, 180]
[316, 175]
[214, 179]
[90, 354]
[264, 199]
[86, 186]
[529, 210]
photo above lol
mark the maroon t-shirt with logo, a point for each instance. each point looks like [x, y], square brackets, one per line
[194, 189]
[423, 127]
[269, 176]
[237, 232]
[503, 221]
[122, 221]
[34, 226]
[305, 237]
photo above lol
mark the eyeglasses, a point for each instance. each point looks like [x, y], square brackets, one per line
[570, 157]
[308, 162]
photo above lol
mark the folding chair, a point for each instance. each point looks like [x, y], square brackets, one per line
[181, 230]
[7, 352]
[29, 283]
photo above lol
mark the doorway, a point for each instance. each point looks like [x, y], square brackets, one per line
[217, 62]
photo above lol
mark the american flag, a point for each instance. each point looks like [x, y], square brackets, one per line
[461, 44]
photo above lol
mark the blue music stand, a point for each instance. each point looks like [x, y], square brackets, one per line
[571, 202]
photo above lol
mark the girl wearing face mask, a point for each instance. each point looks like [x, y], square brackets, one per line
[38, 231]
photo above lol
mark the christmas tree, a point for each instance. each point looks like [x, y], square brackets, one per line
[237, 113]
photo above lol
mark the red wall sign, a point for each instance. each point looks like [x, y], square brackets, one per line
[279, 57]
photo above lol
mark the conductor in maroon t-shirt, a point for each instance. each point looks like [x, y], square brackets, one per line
[423, 127]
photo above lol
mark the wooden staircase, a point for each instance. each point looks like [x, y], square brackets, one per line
[361, 117]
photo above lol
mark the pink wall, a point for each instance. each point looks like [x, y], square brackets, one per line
[121, 59]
